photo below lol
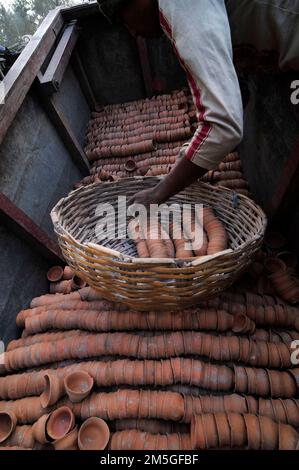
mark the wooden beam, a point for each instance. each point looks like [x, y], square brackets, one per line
[63, 128]
[83, 80]
[52, 77]
[20, 77]
[23, 226]
[145, 65]
[80, 11]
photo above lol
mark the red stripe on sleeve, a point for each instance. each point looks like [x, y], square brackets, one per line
[205, 129]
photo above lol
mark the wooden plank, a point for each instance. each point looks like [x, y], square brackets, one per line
[63, 128]
[83, 80]
[20, 77]
[145, 65]
[80, 11]
[23, 226]
[52, 77]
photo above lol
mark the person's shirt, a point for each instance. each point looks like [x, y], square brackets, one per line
[203, 33]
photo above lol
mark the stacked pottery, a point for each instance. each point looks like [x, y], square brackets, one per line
[39, 430]
[264, 382]
[245, 431]
[136, 440]
[21, 436]
[285, 285]
[216, 233]
[67, 442]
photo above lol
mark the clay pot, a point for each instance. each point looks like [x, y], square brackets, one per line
[287, 437]
[39, 430]
[55, 274]
[53, 390]
[61, 287]
[198, 440]
[286, 286]
[241, 380]
[238, 429]
[144, 170]
[269, 433]
[68, 442]
[8, 421]
[210, 431]
[253, 432]
[77, 283]
[274, 265]
[94, 434]
[243, 324]
[60, 423]
[130, 165]
[78, 385]
[68, 273]
[223, 429]
[262, 382]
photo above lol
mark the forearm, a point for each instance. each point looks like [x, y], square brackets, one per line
[183, 175]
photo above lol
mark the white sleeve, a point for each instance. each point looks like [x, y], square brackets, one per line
[200, 33]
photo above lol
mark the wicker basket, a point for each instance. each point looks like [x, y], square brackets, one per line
[114, 269]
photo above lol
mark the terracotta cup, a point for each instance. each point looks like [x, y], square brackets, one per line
[240, 323]
[8, 421]
[130, 165]
[68, 442]
[223, 429]
[39, 430]
[238, 430]
[53, 390]
[60, 423]
[77, 283]
[55, 274]
[78, 385]
[269, 433]
[94, 434]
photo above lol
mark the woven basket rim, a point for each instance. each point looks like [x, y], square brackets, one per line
[194, 261]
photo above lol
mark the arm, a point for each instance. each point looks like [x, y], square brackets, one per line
[200, 34]
[182, 175]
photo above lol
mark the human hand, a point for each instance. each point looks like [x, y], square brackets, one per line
[146, 197]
